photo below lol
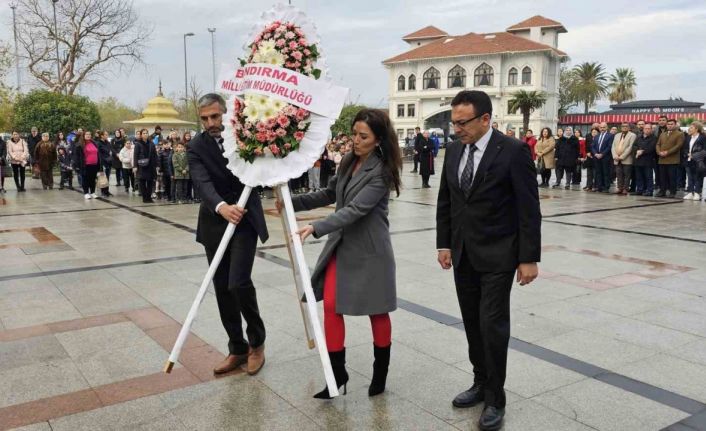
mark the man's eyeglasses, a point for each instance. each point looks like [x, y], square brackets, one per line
[461, 123]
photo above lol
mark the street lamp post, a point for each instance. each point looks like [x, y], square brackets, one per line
[56, 45]
[186, 79]
[17, 54]
[213, 55]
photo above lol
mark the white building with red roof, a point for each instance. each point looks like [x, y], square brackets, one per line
[424, 79]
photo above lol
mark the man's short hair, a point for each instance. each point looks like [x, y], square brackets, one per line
[479, 99]
[211, 98]
[530, 130]
[417, 128]
[640, 119]
[672, 120]
[158, 127]
[661, 117]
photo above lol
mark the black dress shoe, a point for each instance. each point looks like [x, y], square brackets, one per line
[491, 419]
[469, 398]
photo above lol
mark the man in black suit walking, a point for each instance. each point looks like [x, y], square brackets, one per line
[219, 190]
[488, 228]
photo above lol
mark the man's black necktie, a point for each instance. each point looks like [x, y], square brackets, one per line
[219, 141]
[467, 174]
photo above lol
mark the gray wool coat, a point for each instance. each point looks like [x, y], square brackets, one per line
[358, 233]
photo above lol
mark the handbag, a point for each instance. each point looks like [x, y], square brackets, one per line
[102, 181]
[143, 162]
[540, 164]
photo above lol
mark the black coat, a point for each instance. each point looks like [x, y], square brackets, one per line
[116, 145]
[145, 150]
[32, 142]
[646, 144]
[215, 184]
[697, 151]
[588, 163]
[425, 148]
[105, 151]
[499, 223]
[567, 151]
[3, 152]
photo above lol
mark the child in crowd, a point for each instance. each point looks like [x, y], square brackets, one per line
[67, 173]
[181, 172]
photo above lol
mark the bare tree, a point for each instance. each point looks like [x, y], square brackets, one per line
[96, 37]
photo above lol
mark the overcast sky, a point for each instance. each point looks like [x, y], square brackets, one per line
[664, 41]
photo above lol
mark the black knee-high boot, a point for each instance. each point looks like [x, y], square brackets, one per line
[338, 363]
[380, 366]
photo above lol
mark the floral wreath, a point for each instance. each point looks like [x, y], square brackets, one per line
[265, 126]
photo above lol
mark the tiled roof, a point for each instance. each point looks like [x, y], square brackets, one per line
[473, 44]
[536, 21]
[426, 32]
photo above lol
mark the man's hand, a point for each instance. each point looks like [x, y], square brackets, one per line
[599, 156]
[232, 213]
[639, 153]
[526, 273]
[279, 205]
[305, 232]
[134, 170]
[444, 259]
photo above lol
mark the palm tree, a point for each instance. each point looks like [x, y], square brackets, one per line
[622, 85]
[589, 83]
[526, 102]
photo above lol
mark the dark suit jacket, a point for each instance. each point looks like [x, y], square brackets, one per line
[647, 144]
[606, 145]
[499, 224]
[216, 183]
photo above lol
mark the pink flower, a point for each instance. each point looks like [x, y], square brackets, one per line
[287, 145]
[297, 65]
[290, 35]
[247, 133]
[303, 42]
[271, 123]
[271, 136]
[241, 146]
[301, 114]
[299, 136]
[283, 121]
[261, 136]
[281, 132]
[280, 43]
[297, 55]
[290, 110]
[307, 52]
[293, 45]
[274, 149]
[258, 151]
[267, 35]
[289, 65]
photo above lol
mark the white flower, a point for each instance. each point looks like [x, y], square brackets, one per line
[251, 113]
[267, 113]
[267, 47]
[274, 58]
[260, 102]
[257, 58]
[277, 105]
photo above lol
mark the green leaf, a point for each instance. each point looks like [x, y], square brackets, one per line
[316, 73]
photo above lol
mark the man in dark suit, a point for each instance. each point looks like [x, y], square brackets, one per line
[219, 190]
[416, 145]
[601, 148]
[488, 228]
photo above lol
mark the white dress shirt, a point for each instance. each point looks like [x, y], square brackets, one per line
[481, 145]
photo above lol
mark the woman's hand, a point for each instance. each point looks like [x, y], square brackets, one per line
[305, 232]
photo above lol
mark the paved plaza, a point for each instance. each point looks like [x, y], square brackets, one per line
[612, 336]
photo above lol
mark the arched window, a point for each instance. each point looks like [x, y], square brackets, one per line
[457, 77]
[431, 79]
[412, 82]
[526, 76]
[483, 75]
[512, 77]
[400, 83]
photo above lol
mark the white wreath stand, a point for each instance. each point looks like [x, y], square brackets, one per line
[302, 280]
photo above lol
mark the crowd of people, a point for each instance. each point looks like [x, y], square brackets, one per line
[640, 159]
[149, 165]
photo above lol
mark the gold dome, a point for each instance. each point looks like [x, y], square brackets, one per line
[160, 111]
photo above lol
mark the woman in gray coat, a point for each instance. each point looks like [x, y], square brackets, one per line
[355, 274]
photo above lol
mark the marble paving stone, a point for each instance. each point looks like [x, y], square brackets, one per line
[671, 373]
[596, 349]
[49, 311]
[644, 334]
[41, 426]
[531, 328]
[674, 318]
[528, 376]
[117, 416]
[528, 415]
[680, 284]
[615, 302]
[445, 343]
[39, 380]
[569, 314]
[694, 352]
[605, 407]
[113, 365]
[101, 338]
[585, 267]
[19, 353]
